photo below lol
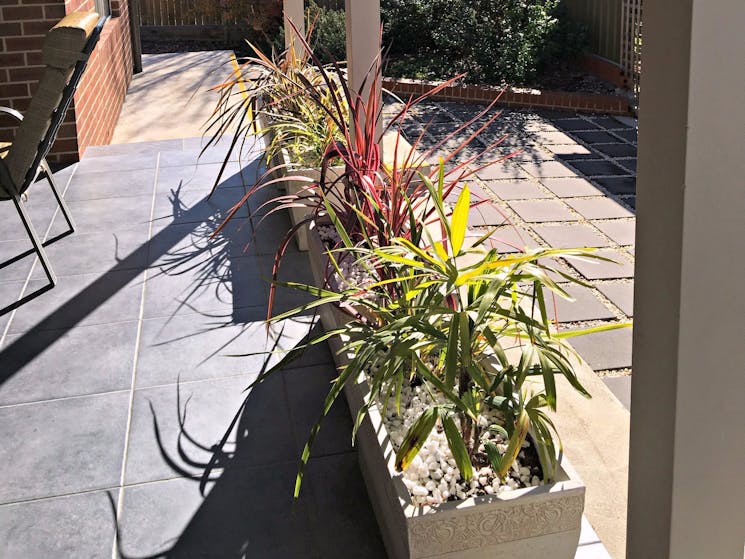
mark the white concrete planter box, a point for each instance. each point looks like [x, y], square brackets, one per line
[529, 523]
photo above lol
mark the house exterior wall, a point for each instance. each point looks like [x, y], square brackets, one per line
[94, 112]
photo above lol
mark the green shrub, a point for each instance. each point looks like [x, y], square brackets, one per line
[329, 38]
[493, 41]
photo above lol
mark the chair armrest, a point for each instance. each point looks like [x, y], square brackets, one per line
[11, 112]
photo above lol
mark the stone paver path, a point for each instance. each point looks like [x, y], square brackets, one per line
[572, 184]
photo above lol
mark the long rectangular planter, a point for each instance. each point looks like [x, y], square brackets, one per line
[529, 523]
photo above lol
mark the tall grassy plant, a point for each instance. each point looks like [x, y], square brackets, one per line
[465, 322]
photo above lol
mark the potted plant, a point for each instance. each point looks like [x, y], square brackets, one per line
[439, 344]
[445, 351]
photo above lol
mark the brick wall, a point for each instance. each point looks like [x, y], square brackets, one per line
[95, 110]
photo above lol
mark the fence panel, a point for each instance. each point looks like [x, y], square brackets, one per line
[631, 41]
[603, 21]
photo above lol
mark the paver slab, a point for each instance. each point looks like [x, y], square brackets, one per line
[605, 350]
[516, 190]
[598, 208]
[585, 306]
[620, 294]
[570, 187]
[597, 168]
[571, 235]
[621, 231]
[618, 185]
[593, 269]
[534, 211]
[62, 446]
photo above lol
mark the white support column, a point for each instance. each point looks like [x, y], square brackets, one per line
[294, 11]
[363, 40]
[687, 461]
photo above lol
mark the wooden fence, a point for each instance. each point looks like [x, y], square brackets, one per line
[603, 21]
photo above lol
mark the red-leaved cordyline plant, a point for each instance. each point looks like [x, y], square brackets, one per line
[371, 202]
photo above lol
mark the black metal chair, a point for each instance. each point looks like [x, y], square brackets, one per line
[67, 47]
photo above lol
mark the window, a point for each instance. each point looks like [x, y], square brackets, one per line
[103, 7]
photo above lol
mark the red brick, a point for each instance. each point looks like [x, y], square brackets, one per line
[22, 44]
[37, 27]
[54, 11]
[12, 59]
[10, 29]
[21, 13]
[15, 90]
[28, 74]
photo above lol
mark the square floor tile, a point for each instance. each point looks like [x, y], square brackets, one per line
[184, 205]
[246, 513]
[63, 446]
[175, 242]
[552, 138]
[585, 306]
[307, 388]
[194, 347]
[621, 388]
[18, 270]
[486, 214]
[620, 294]
[599, 208]
[74, 526]
[214, 288]
[595, 137]
[609, 122]
[81, 300]
[548, 169]
[114, 164]
[629, 164]
[628, 135]
[621, 231]
[509, 239]
[597, 168]
[503, 170]
[62, 363]
[570, 187]
[110, 214]
[134, 148]
[569, 151]
[620, 149]
[574, 124]
[593, 269]
[103, 251]
[340, 512]
[516, 190]
[605, 350]
[159, 448]
[618, 185]
[534, 211]
[123, 183]
[40, 215]
[570, 235]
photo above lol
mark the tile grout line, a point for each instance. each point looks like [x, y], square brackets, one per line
[36, 257]
[138, 335]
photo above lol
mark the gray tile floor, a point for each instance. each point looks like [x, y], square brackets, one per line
[116, 385]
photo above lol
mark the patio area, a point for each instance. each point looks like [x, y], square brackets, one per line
[117, 384]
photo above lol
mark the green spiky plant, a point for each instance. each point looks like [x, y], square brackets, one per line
[465, 322]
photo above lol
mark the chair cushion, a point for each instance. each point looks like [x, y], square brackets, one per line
[65, 41]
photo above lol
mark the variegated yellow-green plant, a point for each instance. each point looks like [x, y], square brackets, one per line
[465, 322]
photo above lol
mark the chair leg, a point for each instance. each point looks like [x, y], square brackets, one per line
[38, 246]
[61, 201]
